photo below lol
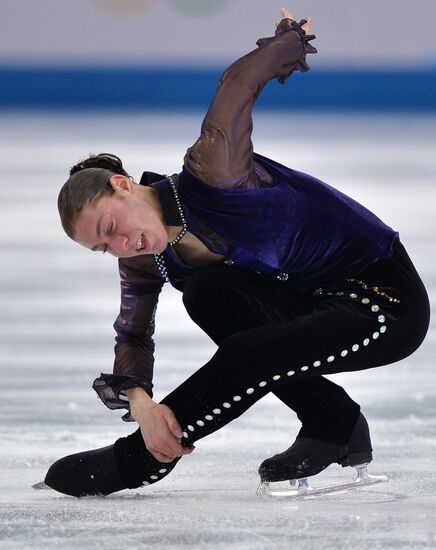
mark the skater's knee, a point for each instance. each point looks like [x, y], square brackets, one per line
[411, 340]
[412, 326]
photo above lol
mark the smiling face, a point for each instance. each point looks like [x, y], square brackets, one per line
[125, 224]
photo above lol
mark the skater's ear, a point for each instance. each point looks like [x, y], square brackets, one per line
[121, 183]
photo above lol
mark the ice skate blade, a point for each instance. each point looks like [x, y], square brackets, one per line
[41, 486]
[302, 490]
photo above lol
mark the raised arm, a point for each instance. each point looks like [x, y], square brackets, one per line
[223, 154]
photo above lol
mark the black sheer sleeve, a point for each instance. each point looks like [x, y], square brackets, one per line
[141, 284]
[223, 154]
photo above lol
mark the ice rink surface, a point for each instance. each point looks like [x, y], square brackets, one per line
[58, 303]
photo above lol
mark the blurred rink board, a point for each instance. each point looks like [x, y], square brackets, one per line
[162, 53]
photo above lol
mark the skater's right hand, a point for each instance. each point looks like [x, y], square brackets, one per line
[159, 427]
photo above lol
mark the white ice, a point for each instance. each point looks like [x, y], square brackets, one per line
[58, 302]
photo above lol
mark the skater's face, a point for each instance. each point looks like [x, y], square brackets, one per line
[125, 224]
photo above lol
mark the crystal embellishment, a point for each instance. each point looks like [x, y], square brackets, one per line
[159, 257]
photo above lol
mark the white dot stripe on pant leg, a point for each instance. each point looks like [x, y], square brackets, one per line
[330, 359]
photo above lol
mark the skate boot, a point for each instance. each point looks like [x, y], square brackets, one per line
[308, 457]
[124, 465]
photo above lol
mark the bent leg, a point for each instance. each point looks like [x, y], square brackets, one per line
[344, 333]
[224, 302]
[355, 328]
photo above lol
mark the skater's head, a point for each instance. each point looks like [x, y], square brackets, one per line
[103, 209]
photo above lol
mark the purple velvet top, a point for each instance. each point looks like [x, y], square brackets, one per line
[297, 225]
[256, 212]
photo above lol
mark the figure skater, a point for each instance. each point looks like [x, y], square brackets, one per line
[291, 279]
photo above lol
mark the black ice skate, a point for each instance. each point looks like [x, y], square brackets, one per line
[308, 457]
[125, 465]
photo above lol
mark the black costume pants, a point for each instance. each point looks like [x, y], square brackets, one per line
[225, 301]
[273, 339]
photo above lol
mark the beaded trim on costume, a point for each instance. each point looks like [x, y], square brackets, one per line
[357, 344]
[159, 257]
[374, 289]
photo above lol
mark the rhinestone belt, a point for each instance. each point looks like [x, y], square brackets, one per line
[364, 287]
[374, 289]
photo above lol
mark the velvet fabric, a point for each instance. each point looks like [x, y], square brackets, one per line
[298, 225]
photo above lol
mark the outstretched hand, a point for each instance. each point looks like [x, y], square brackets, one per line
[288, 15]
